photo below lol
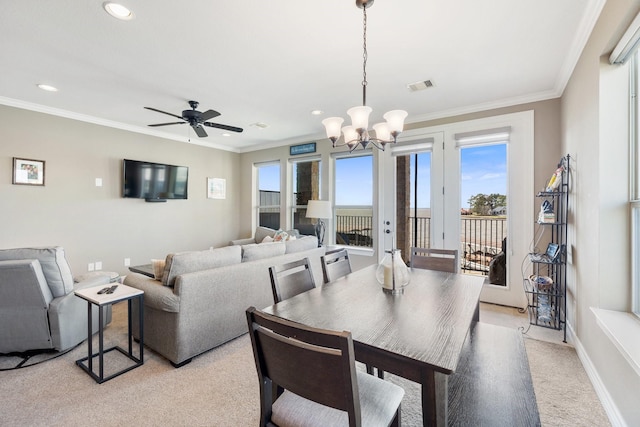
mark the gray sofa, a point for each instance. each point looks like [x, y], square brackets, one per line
[38, 309]
[199, 302]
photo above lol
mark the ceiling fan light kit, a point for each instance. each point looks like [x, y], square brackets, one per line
[196, 120]
[357, 133]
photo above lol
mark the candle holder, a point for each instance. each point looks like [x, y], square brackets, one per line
[393, 273]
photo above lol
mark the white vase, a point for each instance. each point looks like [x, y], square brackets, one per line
[392, 273]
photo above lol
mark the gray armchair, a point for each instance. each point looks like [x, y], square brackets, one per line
[38, 309]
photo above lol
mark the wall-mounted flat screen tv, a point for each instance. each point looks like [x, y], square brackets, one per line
[154, 181]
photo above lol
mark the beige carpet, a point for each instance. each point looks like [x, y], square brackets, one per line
[220, 388]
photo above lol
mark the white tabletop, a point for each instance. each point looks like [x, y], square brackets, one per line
[121, 293]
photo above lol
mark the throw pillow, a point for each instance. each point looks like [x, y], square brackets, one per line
[261, 232]
[158, 268]
[280, 236]
[267, 239]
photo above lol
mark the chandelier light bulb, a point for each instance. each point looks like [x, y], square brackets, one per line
[382, 131]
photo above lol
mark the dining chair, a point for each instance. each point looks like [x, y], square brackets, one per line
[291, 279]
[435, 259]
[315, 375]
[335, 264]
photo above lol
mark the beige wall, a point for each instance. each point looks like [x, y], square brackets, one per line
[96, 223]
[594, 130]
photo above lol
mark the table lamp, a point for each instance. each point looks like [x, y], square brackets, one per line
[319, 209]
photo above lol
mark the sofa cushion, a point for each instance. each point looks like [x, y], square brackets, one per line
[260, 251]
[302, 244]
[54, 266]
[262, 232]
[187, 262]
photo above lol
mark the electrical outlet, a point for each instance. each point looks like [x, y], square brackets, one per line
[91, 267]
[127, 262]
[98, 265]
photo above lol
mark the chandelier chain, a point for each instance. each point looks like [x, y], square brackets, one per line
[364, 57]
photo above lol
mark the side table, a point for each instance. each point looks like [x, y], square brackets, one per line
[121, 293]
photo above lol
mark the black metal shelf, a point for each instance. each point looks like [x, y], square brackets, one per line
[547, 302]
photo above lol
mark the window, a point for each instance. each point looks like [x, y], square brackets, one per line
[354, 200]
[306, 186]
[269, 195]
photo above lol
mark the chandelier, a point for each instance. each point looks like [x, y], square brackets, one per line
[357, 134]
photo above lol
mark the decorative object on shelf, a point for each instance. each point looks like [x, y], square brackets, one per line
[541, 283]
[556, 179]
[28, 172]
[546, 214]
[216, 188]
[392, 273]
[357, 134]
[321, 210]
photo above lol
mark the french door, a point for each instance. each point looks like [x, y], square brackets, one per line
[422, 195]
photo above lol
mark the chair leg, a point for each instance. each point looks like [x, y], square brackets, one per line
[369, 369]
[380, 374]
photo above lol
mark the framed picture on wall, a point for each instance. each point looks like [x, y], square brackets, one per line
[28, 171]
[216, 188]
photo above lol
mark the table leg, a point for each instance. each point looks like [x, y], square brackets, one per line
[140, 322]
[434, 398]
[101, 342]
[90, 338]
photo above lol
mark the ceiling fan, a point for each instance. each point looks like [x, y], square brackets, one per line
[196, 119]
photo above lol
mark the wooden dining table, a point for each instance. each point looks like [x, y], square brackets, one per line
[417, 335]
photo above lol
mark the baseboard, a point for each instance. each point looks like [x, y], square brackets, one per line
[608, 404]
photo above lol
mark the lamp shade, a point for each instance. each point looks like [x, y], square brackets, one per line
[395, 120]
[319, 209]
[359, 116]
[332, 126]
[382, 131]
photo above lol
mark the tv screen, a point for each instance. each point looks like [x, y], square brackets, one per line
[154, 181]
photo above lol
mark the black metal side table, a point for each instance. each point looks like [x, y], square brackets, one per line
[121, 293]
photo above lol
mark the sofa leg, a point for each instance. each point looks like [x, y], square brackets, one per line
[181, 364]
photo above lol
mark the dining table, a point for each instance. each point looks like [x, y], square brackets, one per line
[417, 334]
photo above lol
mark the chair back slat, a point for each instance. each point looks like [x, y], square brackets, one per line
[335, 264]
[291, 279]
[435, 259]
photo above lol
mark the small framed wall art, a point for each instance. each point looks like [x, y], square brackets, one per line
[28, 171]
[216, 188]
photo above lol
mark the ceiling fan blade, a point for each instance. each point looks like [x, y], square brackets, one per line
[163, 112]
[200, 131]
[224, 127]
[209, 114]
[167, 124]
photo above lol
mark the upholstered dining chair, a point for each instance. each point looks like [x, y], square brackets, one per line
[435, 259]
[335, 264]
[333, 393]
[291, 279]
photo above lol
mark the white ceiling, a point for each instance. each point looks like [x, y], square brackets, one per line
[276, 61]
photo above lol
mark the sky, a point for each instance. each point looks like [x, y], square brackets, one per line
[483, 170]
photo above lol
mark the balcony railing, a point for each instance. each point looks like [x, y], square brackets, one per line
[480, 237]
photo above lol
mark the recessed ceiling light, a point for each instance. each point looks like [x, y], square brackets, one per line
[48, 88]
[260, 125]
[118, 11]
[226, 134]
[317, 112]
